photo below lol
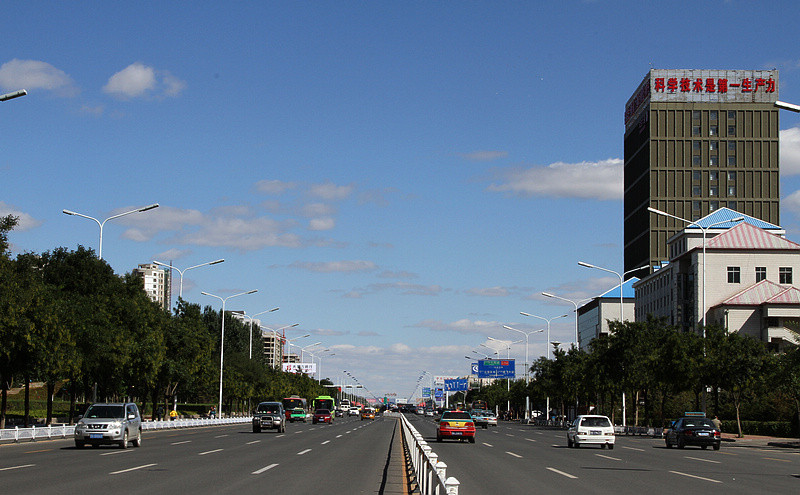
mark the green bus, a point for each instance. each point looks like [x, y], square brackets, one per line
[324, 402]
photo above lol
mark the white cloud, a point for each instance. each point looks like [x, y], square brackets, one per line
[321, 224]
[35, 74]
[463, 326]
[483, 156]
[172, 255]
[792, 203]
[318, 210]
[590, 180]
[330, 191]
[335, 266]
[138, 79]
[24, 220]
[489, 291]
[400, 274]
[273, 186]
[790, 151]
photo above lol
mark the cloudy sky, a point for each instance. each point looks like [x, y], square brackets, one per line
[401, 178]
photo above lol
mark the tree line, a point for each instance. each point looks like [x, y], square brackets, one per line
[663, 372]
[66, 319]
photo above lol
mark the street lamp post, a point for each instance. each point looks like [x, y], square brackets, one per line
[251, 318]
[222, 338]
[787, 106]
[547, 406]
[13, 94]
[575, 303]
[705, 230]
[302, 349]
[180, 293]
[527, 367]
[508, 356]
[101, 224]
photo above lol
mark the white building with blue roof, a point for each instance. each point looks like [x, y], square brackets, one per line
[728, 269]
[594, 315]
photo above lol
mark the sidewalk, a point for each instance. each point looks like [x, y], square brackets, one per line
[760, 441]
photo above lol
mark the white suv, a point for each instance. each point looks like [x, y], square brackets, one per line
[116, 423]
[590, 429]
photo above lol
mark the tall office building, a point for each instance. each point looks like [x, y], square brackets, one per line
[157, 283]
[697, 140]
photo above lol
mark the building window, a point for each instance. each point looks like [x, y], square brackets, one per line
[713, 175]
[696, 160]
[696, 175]
[731, 161]
[696, 191]
[713, 206]
[713, 160]
[785, 274]
[731, 176]
[695, 130]
[732, 146]
[713, 115]
[734, 275]
[713, 191]
[695, 114]
[713, 145]
[761, 273]
[731, 130]
[695, 205]
[731, 190]
[696, 145]
[732, 205]
[731, 114]
[713, 130]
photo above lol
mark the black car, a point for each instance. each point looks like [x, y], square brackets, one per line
[693, 431]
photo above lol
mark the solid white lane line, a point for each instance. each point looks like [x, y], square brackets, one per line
[116, 452]
[488, 444]
[279, 436]
[210, 452]
[326, 441]
[513, 454]
[16, 467]
[695, 477]
[562, 473]
[608, 457]
[132, 469]
[530, 439]
[221, 436]
[338, 436]
[304, 452]
[259, 471]
[699, 459]
[254, 441]
[179, 443]
[633, 448]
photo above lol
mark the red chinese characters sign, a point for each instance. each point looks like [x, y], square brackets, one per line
[711, 85]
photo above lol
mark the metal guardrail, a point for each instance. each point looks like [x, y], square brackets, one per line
[429, 470]
[32, 434]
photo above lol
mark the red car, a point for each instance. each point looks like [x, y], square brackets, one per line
[456, 424]
[322, 416]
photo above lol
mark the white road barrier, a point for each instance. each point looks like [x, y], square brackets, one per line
[430, 471]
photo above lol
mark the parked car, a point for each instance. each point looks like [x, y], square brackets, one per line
[455, 424]
[322, 416]
[109, 423]
[693, 431]
[270, 416]
[591, 430]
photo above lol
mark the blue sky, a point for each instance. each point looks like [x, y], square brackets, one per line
[401, 178]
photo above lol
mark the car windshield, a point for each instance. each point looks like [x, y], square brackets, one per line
[596, 422]
[698, 423]
[268, 408]
[104, 411]
[456, 415]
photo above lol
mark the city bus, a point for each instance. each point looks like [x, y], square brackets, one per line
[293, 402]
[324, 402]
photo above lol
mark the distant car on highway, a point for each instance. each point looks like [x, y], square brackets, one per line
[269, 416]
[109, 423]
[322, 416]
[481, 418]
[491, 418]
[456, 424]
[693, 431]
[367, 413]
[297, 414]
[354, 411]
[591, 430]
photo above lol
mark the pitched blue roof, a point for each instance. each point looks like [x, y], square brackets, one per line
[725, 215]
[627, 290]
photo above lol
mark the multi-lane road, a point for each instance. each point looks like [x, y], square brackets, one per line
[514, 458]
[348, 456]
[351, 456]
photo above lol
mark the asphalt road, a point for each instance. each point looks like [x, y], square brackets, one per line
[514, 458]
[348, 456]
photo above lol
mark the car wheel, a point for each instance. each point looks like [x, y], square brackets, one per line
[138, 442]
[256, 429]
[603, 446]
[669, 445]
[471, 439]
[79, 444]
[577, 445]
[611, 446]
[569, 443]
[680, 444]
[704, 447]
[716, 446]
[124, 442]
[438, 438]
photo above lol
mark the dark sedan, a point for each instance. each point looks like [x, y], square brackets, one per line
[322, 416]
[693, 431]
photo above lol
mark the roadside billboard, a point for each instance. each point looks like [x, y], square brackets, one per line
[496, 368]
[307, 368]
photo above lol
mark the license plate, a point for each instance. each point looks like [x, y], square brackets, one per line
[95, 435]
[595, 432]
[702, 434]
[456, 433]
